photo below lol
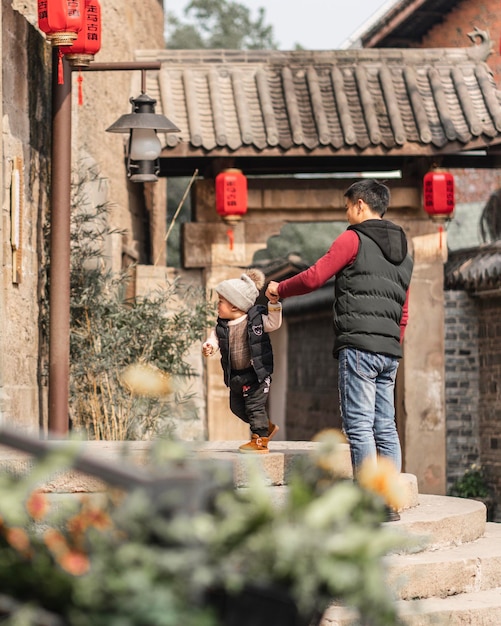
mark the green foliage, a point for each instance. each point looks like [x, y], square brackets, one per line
[109, 331]
[152, 563]
[472, 484]
[219, 24]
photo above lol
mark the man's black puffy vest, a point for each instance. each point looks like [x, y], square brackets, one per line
[259, 342]
[369, 296]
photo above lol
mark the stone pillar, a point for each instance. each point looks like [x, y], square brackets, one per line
[424, 369]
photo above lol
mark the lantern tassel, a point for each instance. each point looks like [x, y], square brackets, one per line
[60, 70]
[80, 90]
[231, 238]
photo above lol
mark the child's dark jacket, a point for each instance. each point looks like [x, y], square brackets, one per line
[259, 343]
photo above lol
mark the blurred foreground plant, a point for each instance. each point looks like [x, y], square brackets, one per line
[149, 557]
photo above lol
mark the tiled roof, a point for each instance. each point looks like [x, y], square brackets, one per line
[476, 270]
[323, 103]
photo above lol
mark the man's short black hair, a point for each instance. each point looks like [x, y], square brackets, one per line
[375, 194]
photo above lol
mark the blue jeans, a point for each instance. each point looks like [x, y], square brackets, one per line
[366, 393]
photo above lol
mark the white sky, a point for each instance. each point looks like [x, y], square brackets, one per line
[315, 24]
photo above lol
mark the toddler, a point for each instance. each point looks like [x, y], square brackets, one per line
[241, 335]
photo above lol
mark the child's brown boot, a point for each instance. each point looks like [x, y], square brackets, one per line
[257, 445]
[272, 429]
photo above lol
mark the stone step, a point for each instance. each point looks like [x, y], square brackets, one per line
[278, 464]
[443, 521]
[439, 522]
[479, 608]
[465, 568]
[455, 579]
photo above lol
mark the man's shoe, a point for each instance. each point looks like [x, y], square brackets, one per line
[257, 445]
[391, 514]
[272, 429]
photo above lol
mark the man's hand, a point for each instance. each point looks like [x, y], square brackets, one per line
[272, 291]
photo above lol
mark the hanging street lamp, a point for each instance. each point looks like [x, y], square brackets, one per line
[144, 147]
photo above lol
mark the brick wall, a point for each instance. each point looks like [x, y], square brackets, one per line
[490, 393]
[473, 387]
[475, 185]
[462, 394]
[453, 30]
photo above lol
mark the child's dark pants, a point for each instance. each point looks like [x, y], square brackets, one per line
[248, 400]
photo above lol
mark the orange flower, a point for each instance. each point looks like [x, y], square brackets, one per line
[383, 479]
[18, 539]
[55, 541]
[77, 525]
[98, 518]
[37, 505]
[87, 518]
[74, 562]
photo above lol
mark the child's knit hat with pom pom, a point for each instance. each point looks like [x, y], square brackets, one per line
[242, 292]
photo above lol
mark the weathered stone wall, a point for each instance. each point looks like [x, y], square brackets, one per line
[26, 126]
[25, 153]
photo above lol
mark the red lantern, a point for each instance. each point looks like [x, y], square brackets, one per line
[88, 43]
[438, 194]
[60, 20]
[231, 194]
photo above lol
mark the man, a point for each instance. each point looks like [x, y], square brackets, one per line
[373, 272]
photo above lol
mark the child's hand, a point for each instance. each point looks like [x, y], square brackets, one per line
[207, 349]
[272, 292]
